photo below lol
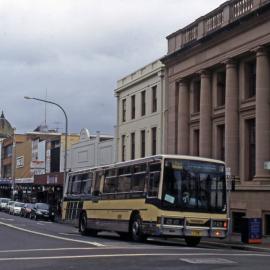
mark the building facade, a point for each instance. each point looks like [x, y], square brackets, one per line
[91, 151]
[218, 75]
[31, 165]
[140, 113]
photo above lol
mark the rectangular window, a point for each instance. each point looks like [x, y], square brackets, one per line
[221, 88]
[196, 142]
[133, 107]
[143, 103]
[251, 147]
[250, 70]
[221, 142]
[196, 96]
[132, 144]
[124, 101]
[154, 98]
[123, 147]
[143, 143]
[154, 141]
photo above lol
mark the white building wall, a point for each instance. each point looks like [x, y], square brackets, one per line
[91, 151]
[134, 84]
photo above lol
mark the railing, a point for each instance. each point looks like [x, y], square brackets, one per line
[222, 16]
[241, 7]
[214, 22]
[190, 34]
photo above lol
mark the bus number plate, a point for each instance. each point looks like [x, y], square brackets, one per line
[196, 233]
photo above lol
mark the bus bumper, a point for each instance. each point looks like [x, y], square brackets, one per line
[182, 231]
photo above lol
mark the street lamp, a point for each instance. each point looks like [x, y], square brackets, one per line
[66, 132]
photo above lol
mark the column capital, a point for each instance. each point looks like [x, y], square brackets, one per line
[260, 51]
[230, 63]
[204, 73]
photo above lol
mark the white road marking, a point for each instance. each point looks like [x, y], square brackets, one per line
[52, 236]
[208, 261]
[94, 248]
[7, 219]
[126, 255]
[42, 224]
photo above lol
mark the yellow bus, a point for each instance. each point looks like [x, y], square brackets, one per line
[163, 195]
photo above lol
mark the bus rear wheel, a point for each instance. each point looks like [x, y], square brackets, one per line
[135, 230]
[192, 241]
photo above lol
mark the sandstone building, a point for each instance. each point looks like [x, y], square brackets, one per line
[218, 76]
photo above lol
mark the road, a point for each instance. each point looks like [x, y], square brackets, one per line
[29, 244]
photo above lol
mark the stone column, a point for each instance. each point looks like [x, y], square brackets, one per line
[232, 118]
[205, 116]
[183, 119]
[262, 113]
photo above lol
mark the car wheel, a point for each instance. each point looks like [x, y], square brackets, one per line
[135, 229]
[83, 226]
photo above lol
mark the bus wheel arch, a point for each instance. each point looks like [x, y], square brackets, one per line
[135, 227]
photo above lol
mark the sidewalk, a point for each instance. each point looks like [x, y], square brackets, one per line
[234, 241]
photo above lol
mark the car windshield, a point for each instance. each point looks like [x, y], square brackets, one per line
[194, 186]
[5, 200]
[43, 206]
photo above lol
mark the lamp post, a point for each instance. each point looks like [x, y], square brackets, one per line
[66, 132]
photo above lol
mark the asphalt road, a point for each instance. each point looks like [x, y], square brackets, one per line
[29, 244]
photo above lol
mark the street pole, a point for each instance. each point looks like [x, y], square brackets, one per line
[66, 133]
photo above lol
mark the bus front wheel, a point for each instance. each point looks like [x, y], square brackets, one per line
[192, 241]
[135, 231]
[83, 224]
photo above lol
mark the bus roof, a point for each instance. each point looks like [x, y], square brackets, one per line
[150, 158]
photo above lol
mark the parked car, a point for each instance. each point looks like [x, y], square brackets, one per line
[10, 207]
[3, 203]
[17, 208]
[26, 209]
[43, 211]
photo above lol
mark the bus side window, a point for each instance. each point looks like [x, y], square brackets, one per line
[110, 185]
[98, 178]
[86, 183]
[70, 180]
[138, 181]
[124, 183]
[76, 185]
[154, 179]
[153, 184]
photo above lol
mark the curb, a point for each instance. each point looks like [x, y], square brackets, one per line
[237, 246]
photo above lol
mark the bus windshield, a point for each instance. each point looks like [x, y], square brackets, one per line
[190, 185]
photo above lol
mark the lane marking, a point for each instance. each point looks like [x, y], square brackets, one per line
[7, 219]
[125, 255]
[208, 261]
[52, 236]
[94, 248]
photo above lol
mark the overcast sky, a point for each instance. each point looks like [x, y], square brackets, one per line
[76, 50]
